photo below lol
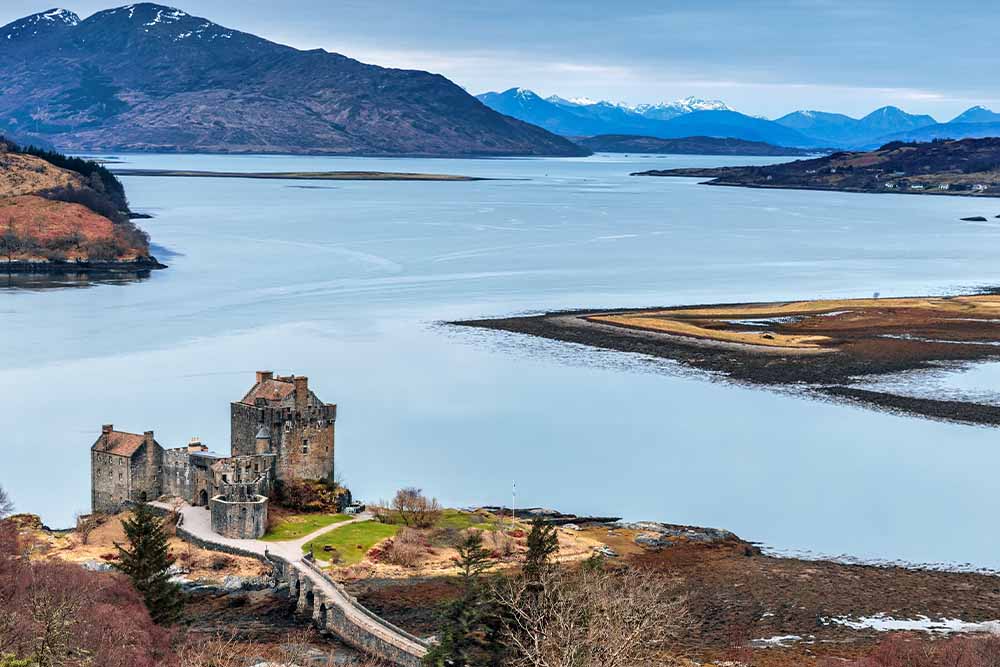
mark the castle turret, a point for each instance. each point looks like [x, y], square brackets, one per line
[263, 440]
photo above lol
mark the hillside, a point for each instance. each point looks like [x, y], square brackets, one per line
[52, 217]
[965, 167]
[150, 77]
[627, 143]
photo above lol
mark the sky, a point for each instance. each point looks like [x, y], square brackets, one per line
[762, 57]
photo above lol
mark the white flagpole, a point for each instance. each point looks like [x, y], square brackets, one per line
[513, 494]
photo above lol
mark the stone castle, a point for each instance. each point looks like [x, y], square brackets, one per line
[280, 432]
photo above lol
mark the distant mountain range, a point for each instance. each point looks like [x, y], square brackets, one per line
[581, 117]
[673, 120]
[150, 77]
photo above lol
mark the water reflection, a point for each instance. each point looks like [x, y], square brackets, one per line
[68, 279]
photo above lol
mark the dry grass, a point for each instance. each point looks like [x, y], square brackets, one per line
[201, 562]
[25, 174]
[714, 323]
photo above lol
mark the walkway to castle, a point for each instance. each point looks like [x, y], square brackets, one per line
[197, 522]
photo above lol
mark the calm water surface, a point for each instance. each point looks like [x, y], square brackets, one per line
[347, 281]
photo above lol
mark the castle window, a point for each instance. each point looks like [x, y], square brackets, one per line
[305, 445]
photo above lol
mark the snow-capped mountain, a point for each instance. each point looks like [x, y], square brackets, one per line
[151, 77]
[685, 118]
[668, 110]
[657, 111]
[36, 24]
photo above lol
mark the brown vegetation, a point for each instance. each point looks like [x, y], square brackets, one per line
[57, 614]
[909, 651]
[590, 617]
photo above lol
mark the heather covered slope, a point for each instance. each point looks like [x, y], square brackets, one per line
[149, 77]
[52, 216]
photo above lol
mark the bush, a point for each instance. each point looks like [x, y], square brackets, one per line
[415, 509]
[56, 613]
[308, 496]
[404, 549]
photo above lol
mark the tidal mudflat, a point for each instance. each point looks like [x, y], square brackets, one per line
[822, 346]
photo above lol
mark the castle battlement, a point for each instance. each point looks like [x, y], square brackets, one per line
[280, 431]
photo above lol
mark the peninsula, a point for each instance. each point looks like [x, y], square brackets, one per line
[969, 167]
[65, 214]
[828, 348]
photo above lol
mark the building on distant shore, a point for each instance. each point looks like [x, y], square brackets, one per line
[280, 432]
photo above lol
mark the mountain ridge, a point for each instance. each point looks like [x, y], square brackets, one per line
[601, 118]
[151, 77]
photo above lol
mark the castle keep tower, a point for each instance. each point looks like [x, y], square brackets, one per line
[283, 417]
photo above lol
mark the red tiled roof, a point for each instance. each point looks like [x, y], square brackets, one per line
[122, 444]
[272, 390]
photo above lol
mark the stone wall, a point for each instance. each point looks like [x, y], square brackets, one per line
[188, 474]
[406, 650]
[244, 421]
[302, 439]
[110, 482]
[116, 480]
[239, 519]
[305, 447]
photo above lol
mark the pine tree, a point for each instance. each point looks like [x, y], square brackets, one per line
[543, 543]
[146, 561]
[468, 638]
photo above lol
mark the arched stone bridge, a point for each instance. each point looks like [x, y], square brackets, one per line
[317, 595]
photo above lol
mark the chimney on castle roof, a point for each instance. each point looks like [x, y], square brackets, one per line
[107, 428]
[194, 445]
[263, 376]
[301, 392]
[148, 436]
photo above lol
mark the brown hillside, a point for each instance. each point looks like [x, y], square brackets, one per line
[60, 229]
[26, 174]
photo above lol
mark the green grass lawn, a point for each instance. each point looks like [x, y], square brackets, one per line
[457, 519]
[352, 541]
[461, 520]
[299, 525]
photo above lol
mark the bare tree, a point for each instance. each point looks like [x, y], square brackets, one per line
[590, 618]
[415, 509]
[6, 504]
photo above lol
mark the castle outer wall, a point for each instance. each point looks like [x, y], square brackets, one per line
[239, 519]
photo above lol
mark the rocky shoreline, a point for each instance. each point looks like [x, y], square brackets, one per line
[138, 265]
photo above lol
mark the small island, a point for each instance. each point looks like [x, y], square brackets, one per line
[62, 214]
[970, 167]
[300, 175]
[826, 348]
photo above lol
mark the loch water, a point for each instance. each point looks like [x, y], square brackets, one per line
[350, 282]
